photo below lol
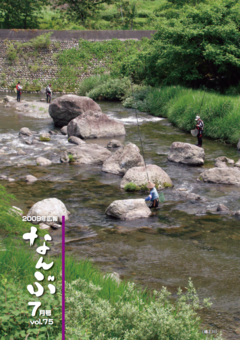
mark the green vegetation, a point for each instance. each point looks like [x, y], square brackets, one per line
[180, 105]
[113, 89]
[44, 139]
[71, 158]
[131, 187]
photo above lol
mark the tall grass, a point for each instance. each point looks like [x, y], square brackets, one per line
[220, 113]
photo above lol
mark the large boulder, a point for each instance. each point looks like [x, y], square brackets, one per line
[221, 176]
[9, 99]
[86, 154]
[65, 108]
[92, 124]
[123, 159]
[49, 207]
[186, 153]
[138, 176]
[128, 209]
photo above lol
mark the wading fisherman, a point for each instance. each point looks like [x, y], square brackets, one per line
[199, 127]
[19, 88]
[48, 93]
[153, 196]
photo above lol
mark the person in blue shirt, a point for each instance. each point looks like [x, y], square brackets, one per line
[153, 196]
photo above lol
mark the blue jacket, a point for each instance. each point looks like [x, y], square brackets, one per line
[153, 195]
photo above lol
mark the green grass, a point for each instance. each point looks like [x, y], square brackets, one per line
[220, 113]
[131, 187]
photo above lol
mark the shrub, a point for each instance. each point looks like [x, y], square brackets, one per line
[71, 158]
[131, 187]
[11, 52]
[90, 83]
[113, 89]
[131, 318]
[42, 41]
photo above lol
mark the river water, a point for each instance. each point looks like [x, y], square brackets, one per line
[192, 240]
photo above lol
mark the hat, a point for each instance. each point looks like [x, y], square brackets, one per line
[150, 185]
[197, 117]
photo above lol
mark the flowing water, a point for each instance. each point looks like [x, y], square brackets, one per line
[192, 240]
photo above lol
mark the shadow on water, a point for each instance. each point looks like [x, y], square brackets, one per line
[183, 238]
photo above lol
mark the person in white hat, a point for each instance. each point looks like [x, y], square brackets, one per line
[153, 196]
[199, 127]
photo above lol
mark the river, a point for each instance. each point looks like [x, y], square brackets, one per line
[203, 245]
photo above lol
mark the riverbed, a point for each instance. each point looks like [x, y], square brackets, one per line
[192, 239]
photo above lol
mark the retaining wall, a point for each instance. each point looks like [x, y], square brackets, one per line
[25, 35]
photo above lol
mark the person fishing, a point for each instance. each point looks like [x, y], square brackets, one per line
[153, 196]
[48, 93]
[19, 92]
[199, 127]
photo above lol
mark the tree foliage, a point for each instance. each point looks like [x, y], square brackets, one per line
[80, 10]
[193, 46]
[21, 14]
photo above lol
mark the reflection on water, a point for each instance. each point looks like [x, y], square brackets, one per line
[190, 241]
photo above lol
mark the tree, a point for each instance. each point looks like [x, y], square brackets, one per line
[21, 14]
[126, 13]
[80, 10]
[195, 46]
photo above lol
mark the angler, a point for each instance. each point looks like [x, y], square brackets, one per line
[48, 93]
[19, 92]
[199, 127]
[153, 196]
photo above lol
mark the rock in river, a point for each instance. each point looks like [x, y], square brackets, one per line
[65, 108]
[221, 162]
[30, 179]
[128, 209]
[92, 124]
[64, 130]
[221, 176]
[50, 207]
[43, 161]
[25, 132]
[86, 154]
[76, 140]
[186, 153]
[123, 159]
[138, 176]
[114, 143]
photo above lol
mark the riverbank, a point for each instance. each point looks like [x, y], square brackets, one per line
[220, 113]
[95, 304]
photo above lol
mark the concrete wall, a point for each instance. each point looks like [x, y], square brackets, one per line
[25, 35]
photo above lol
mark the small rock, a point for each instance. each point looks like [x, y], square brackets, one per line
[43, 161]
[115, 276]
[237, 164]
[64, 130]
[11, 180]
[52, 132]
[123, 231]
[16, 211]
[42, 100]
[237, 213]
[221, 162]
[25, 132]
[114, 143]
[45, 137]
[222, 208]
[76, 140]
[21, 152]
[3, 177]
[9, 99]
[55, 225]
[30, 179]
[147, 230]
[44, 226]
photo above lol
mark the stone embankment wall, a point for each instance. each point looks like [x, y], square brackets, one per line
[41, 67]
